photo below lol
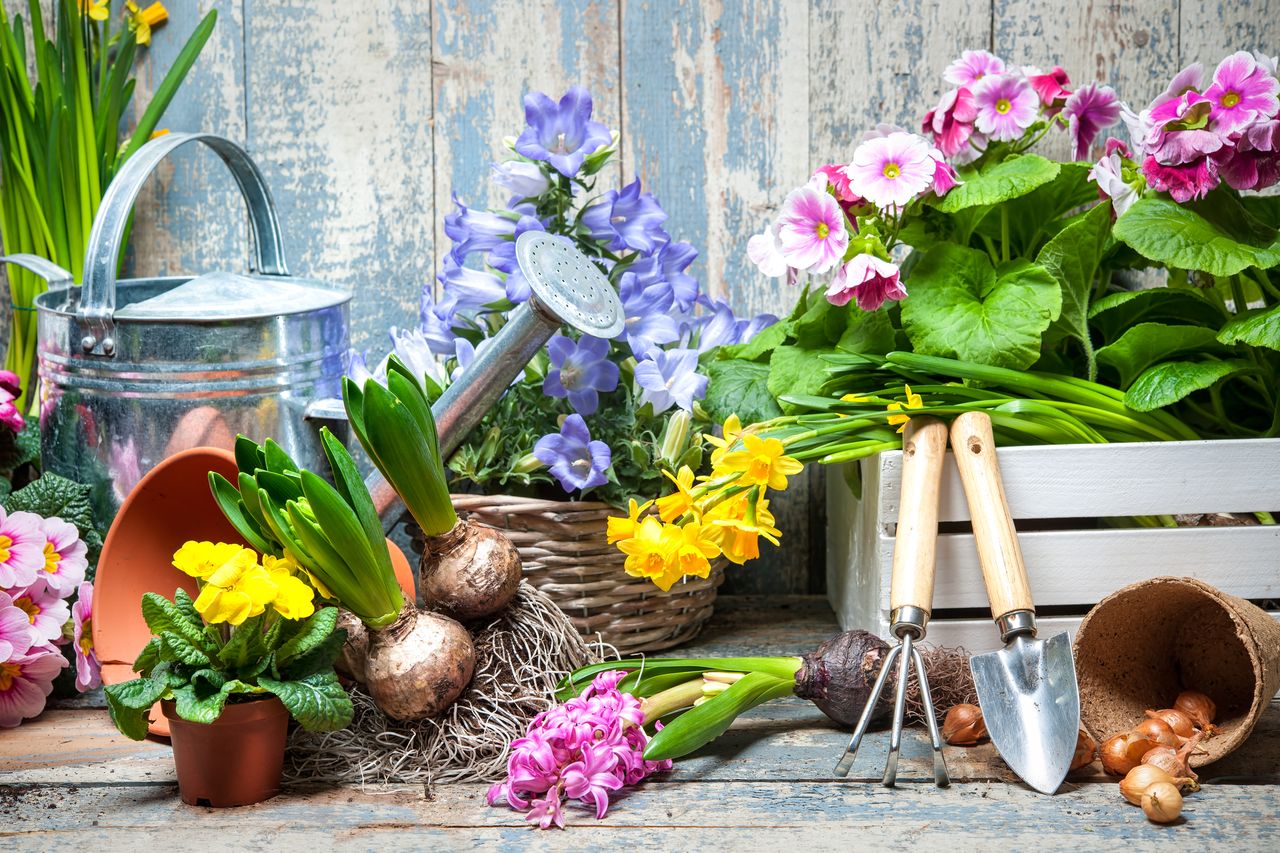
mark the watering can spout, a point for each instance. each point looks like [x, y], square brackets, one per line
[567, 289]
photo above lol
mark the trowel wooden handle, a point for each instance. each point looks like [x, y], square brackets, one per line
[924, 447]
[1002, 567]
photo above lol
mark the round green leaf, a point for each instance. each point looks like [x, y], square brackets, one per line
[961, 307]
[1259, 328]
[1170, 381]
[1147, 343]
[1166, 232]
[1011, 178]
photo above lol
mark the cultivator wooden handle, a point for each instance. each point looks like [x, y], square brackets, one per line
[924, 448]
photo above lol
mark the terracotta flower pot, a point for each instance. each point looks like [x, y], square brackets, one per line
[169, 506]
[234, 761]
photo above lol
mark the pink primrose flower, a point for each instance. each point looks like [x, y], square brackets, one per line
[838, 180]
[1007, 105]
[1050, 86]
[1088, 111]
[765, 251]
[15, 629]
[951, 121]
[88, 670]
[1254, 164]
[1242, 92]
[891, 171]
[22, 544]
[64, 556]
[46, 611]
[1184, 182]
[869, 279]
[26, 680]
[972, 66]
[811, 228]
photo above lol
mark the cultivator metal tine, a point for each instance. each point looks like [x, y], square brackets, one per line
[940, 775]
[851, 752]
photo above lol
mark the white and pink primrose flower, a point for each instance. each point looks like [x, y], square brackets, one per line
[1089, 110]
[891, 171]
[972, 66]
[88, 670]
[811, 228]
[950, 123]
[64, 556]
[1007, 106]
[26, 680]
[22, 544]
[765, 251]
[46, 611]
[15, 629]
[1243, 92]
[869, 280]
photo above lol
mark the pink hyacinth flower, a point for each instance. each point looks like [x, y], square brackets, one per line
[1050, 86]
[15, 629]
[46, 611]
[765, 252]
[811, 228]
[1242, 92]
[891, 171]
[88, 670]
[951, 121]
[26, 680]
[1007, 105]
[869, 279]
[1184, 182]
[1111, 184]
[1089, 110]
[22, 544]
[64, 556]
[972, 66]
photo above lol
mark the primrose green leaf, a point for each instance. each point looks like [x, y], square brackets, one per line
[868, 332]
[198, 706]
[206, 680]
[1072, 257]
[741, 388]
[128, 703]
[175, 647]
[1041, 211]
[1259, 328]
[1147, 343]
[1177, 235]
[1170, 381]
[163, 616]
[961, 307]
[245, 644]
[147, 659]
[314, 630]
[794, 370]
[317, 702]
[763, 344]
[1011, 178]
[319, 659]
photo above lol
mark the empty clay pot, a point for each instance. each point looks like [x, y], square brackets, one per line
[171, 505]
[234, 761]
[1139, 647]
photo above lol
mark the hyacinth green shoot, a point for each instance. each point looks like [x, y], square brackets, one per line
[332, 531]
[396, 428]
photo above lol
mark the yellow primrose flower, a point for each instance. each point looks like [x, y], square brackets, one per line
[141, 21]
[680, 501]
[761, 463]
[201, 559]
[238, 589]
[95, 9]
[914, 401]
[618, 528]
[732, 430]
[294, 599]
[650, 551]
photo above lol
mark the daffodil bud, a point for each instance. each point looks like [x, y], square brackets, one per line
[675, 438]
[527, 464]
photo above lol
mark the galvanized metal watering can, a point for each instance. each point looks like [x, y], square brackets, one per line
[136, 370]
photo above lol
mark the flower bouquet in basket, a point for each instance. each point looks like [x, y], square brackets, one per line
[1131, 298]
[592, 425]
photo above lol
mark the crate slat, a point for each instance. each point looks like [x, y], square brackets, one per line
[1093, 480]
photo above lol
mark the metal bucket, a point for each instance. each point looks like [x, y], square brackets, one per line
[128, 378]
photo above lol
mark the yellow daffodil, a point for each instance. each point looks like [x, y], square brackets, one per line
[740, 536]
[914, 401]
[651, 550]
[201, 559]
[95, 9]
[761, 463]
[732, 430]
[680, 501]
[141, 21]
[294, 599]
[238, 589]
[617, 528]
[694, 551]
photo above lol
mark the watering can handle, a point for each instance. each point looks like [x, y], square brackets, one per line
[98, 294]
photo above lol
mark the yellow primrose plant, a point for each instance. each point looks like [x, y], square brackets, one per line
[252, 631]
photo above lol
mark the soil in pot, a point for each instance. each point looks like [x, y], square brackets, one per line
[235, 760]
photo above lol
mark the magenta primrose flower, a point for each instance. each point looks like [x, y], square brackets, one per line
[1184, 182]
[868, 279]
[891, 171]
[1050, 86]
[838, 180]
[88, 670]
[951, 121]
[1089, 110]
[1255, 163]
[22, 544]
[811, 228]
[972, 66]
[585, 749]
[1006, 104]
[26, 680]
[1242, 92]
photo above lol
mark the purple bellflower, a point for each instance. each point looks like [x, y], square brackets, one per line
[627, 219]
[575, 460]
[648, 311]
[670, 377]
[561, 134]
[580, 371]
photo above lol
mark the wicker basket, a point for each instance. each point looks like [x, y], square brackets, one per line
[566, 555]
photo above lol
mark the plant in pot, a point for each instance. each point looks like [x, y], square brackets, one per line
[592, 426]
[230, 667]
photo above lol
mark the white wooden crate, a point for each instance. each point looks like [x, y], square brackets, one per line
[1056, 494]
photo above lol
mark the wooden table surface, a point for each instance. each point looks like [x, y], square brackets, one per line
[68, 781]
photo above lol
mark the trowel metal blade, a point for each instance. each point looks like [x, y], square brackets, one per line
[1031, 705]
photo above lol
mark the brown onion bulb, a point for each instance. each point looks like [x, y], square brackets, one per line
[1086, 751]
[1121, 753]
[1137, 780]
[1198, 707]
[1177, 720]
[964, 725]
[1157, 733]
[1162, 802]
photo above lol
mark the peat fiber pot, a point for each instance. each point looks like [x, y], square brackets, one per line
[234, 761]
[565, 554]
[1140, 646]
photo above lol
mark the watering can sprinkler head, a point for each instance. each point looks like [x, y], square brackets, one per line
[567, 290]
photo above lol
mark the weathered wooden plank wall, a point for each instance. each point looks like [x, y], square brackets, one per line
[367, 117]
